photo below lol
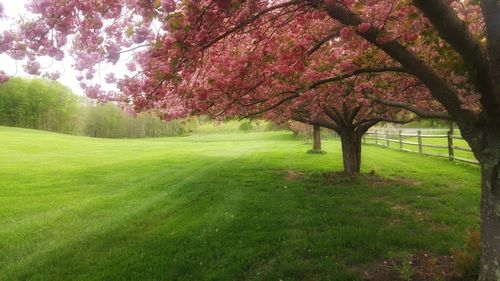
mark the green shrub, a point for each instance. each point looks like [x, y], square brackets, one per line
[246, 127]
[271, 126]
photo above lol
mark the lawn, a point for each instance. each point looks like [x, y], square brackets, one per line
[250, 206]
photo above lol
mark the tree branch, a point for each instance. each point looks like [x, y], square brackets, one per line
[324, 124]
[335, 116]
[354, 113]
[358, 72]
[491, 13]
[418, 111]
[364, 125]
[294, 95]
[456, 33]
[392, 120]
[437, 86]
[321, 42]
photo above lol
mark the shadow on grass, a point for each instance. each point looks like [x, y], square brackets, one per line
[241, 218]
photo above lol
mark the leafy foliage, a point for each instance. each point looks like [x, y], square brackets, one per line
[48, 105]
[38, 104]
[246, 126]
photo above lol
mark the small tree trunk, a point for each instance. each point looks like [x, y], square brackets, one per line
[316, 137]
[490, 219]
[351, 151]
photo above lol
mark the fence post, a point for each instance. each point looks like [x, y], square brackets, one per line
[387, 137]
[400, 140]
[376, 136]
[451, 153]
[419, 134]
[364, 138]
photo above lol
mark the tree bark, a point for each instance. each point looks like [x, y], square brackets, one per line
[490, 224]
[483, 137]
[490, 210]
[351, 151]
[316, 137]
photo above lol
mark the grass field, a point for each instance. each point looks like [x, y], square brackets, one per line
[250, 206]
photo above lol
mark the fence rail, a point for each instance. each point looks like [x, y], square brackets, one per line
[384, 137]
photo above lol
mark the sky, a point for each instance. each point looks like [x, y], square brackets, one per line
[14, 8]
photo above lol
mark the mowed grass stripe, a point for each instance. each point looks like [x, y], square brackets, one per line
[218, 207]
[124, 202]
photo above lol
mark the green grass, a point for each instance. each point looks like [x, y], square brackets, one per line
[217, 207]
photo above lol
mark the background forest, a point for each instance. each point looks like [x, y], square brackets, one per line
[49, 105]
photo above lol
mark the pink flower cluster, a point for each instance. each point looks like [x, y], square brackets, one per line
[231, 57]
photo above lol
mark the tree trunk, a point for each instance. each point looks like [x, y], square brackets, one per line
[316, 137]
[351, 151]
[490, 217]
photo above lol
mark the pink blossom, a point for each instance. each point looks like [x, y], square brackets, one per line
[364, 27]
[32, 67]
[131, 66]
[168, 5]
[141, 35]
[330, 2]
[93, 92]
[346, 32]
[110, 78]
[113, 53]
[409, 37]
[52, 75]
[89, 75]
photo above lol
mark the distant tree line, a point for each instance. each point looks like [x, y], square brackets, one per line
[49, 105]
[38, 104]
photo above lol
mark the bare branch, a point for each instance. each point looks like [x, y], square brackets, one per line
[364, 125]
[294, 95]
[418, 111]
[335, 116]
[321, 123]
[321, 42]
[354, 113]
[358, 72]
[393, 120]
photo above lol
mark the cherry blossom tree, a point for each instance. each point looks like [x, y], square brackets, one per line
[233, 57]
[351, 109]
[306, 77]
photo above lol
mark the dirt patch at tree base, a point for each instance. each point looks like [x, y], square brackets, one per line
[370, 178]
[338, 177]
[416, 267]
[376, 180]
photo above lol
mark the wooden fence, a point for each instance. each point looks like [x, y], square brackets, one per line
[419, 139]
